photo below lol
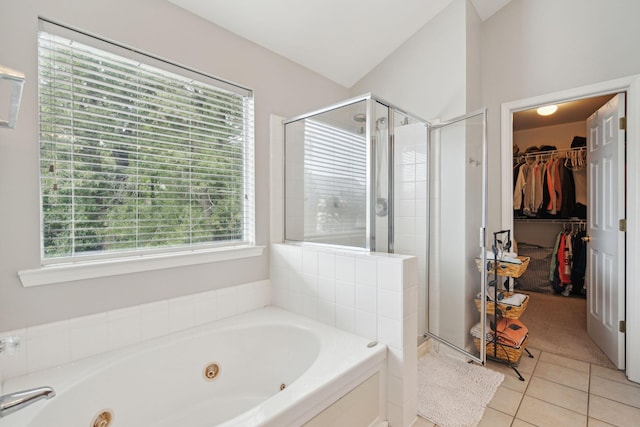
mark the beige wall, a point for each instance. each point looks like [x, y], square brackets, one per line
[426, 76]
[281, 87]
[560, 136]
[531, 48]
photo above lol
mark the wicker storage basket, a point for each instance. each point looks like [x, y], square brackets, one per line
[503, 351]
[506, 268]
[508, 311]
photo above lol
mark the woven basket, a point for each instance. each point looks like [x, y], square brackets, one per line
[503, 351]
[507, 269]
[508, 311]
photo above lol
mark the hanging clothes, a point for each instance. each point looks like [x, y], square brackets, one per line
[568, 189]
[554, 258]
[551, 184]
[564, 260]
[579, 267]
[521, 182]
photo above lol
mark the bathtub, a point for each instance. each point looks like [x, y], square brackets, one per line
[267, 367]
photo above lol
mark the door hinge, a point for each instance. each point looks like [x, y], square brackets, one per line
[622, 225]
[622, 123]
[622, 327]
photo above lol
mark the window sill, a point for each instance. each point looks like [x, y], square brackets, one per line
[59, 273]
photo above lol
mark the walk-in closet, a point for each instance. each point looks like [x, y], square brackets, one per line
[551, 207]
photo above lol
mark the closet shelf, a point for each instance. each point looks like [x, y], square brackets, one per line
[550, 152]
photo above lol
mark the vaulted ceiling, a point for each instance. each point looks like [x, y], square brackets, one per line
[342, 40]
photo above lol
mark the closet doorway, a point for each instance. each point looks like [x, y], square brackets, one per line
[563, 191]
[617, 319]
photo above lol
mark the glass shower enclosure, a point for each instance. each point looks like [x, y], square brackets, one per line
[338, 178]
[366, 175]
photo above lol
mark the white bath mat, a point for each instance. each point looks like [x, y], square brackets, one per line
[453, 393]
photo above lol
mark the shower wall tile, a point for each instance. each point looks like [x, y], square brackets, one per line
[389, 275]
[123, 327]
[310, 307]
[345, 318]
[206, 308]
[327, 312]
[326, 265]
[366, 274]
[366, 324]
[88, 335]
[345, 293]
[251, 296]
[327, 289]
[13, 363]
[366, 299]
[47, 346]
[371, 294]
[310, 262]
[53, 344]
[390, 304]
[345, 268]
[182, 313]
[154, 320]
[310, 285]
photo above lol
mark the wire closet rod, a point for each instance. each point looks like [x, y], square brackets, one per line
[550, 152]
[551, 220]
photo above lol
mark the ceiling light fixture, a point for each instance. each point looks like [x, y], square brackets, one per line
[547, 110]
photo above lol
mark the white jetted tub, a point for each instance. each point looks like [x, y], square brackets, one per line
[263, 368]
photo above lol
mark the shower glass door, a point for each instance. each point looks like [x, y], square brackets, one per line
[457, 223]
[337, 176]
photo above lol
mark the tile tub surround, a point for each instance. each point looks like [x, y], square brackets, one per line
[373, 295]
[53, 344]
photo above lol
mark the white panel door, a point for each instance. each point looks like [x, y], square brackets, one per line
[605, 276]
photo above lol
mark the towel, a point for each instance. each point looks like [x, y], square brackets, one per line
[515, 299]
[511, 332]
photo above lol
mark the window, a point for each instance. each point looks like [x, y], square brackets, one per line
[138, 155]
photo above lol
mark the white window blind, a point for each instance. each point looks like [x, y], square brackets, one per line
[137, 158]
[335, 180]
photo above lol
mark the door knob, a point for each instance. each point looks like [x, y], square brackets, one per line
[586, 239]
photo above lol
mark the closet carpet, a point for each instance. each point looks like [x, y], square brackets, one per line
[558, 325]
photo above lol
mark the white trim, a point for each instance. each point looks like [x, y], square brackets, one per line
[633, 230]
[57, 273]
[630, 85]
[276, 178]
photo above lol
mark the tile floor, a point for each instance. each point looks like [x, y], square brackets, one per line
[560, 392]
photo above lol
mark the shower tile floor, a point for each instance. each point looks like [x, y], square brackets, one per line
[560, 392]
